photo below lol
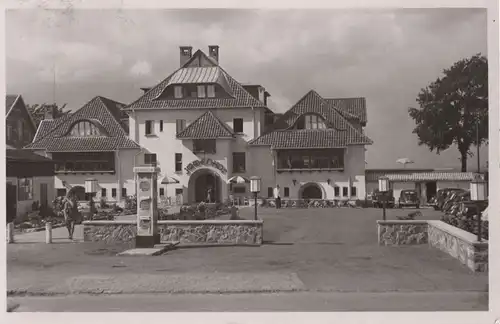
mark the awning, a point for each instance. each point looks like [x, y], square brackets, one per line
[238, 179]
[169, 180]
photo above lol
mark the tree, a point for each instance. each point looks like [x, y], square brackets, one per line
[452, 107]
[38, 111]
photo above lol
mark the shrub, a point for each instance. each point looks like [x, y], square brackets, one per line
[131, 203]
[464, 216]
[103, 203]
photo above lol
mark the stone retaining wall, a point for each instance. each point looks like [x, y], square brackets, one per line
[210, 232]
[400, 232]
[459, 244]
[454, 241]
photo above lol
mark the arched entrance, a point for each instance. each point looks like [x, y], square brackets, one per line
[201, 182]
[79, 191]
[311, 191]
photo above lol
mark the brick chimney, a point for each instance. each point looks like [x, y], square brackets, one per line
[213, 52]
[186, 53]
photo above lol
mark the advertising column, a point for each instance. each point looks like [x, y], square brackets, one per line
[146, 179]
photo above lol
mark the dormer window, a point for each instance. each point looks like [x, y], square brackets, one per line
[311, 121]
[178, 92]
[201, 91]
[83, 129]
[211, 91]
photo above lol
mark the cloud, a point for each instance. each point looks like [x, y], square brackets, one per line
[141, 68]
[383, 55]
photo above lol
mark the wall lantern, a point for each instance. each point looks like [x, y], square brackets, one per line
[91, 186]
[478, 194]
[255, 188]
[383, 184]
[294, 181]
[383, 187]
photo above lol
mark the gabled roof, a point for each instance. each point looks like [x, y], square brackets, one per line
[355, 107]
[239, 97]
[207, 126]
[10, 100]
[340, 131]
[51, 133]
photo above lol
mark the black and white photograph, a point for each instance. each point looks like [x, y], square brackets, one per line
[249, 160]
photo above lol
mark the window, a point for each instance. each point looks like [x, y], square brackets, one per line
[124, 192]
[239, 163]
[9, 132]
[61, 192]
[311, 121]
[211, 91]
[113, 192]
[201, 91]
[149, 158]
[344, 191]
[149, 127]
[20, 126]
[25, 189]
[287, 192]
[270, 192]
[204, 146]
[103, 192]
[84, 129]
[180, 124]
[178, 92]
[239, 189]
[353, 192]
[238, 125]
[178, 162]
[162, 192]
[178, 191]
[337, 191]
[311, 159]
[67, 162]
[161, 125]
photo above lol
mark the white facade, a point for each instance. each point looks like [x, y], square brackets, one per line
[259, 159]
[25, 206]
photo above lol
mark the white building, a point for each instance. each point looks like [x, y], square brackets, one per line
[203, 127]
[93, 142]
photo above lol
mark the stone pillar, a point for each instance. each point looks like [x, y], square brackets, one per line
[10, 232]
[146, 178]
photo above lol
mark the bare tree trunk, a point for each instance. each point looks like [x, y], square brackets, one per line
[463, 160]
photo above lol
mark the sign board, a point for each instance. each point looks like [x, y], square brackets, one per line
[205, 162]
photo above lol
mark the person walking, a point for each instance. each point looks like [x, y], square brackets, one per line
[70, 211]
[277, 196]
[209, 195]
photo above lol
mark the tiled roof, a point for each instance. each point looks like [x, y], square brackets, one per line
[48, 125]
[353, 106]
[9, 101]
[207, 126]
[239, 96]
[106, 111]
[303, 138]
[375, 174]
[425, 175]
[339, 132]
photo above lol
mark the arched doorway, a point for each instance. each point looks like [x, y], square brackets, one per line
[311, 191]
[201, 182]
[79, 191]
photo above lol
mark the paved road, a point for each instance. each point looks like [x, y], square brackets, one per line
[286, 302]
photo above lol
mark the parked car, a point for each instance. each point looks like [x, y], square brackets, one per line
[377, 201]
[409, 198]
[441, 196]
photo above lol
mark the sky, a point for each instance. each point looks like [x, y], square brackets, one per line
[386, 56]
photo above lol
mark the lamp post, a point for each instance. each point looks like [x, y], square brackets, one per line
[478, 194]
[255, 188]
[91, 189]
[383, 187]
